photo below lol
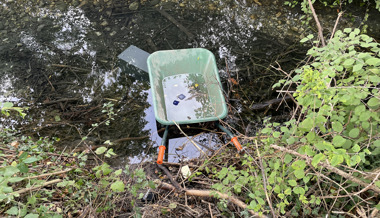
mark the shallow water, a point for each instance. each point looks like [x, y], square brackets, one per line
[59, 58]
[186, 97]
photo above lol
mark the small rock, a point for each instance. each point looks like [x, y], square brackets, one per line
[134, 6]
[98, 33]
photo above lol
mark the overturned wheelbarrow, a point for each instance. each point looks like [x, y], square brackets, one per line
[185, 86]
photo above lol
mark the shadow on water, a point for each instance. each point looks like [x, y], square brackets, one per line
[60, 59]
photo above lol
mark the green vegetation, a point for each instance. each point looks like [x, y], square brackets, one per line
[36, 180]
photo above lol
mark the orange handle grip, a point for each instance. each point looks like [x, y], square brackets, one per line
[161, 153]
[236, 143]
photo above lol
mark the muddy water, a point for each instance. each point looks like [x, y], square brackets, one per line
[59, 58]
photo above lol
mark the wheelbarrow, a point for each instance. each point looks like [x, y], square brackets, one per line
[185, 86]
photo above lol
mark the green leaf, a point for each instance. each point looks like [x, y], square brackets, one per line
[354, 133]
[299, 190]
[12, 211]
[292, 182]
[337, 126]
[356, 148]
[338, 141]
[23, 167]
[299, 174]
[348, 62]
[357, 67]
[10, 171]
[118, 172]
[299, 165]
[30, 160]
[172, 205]
[118, 186]
[31, 215]
[288, 158]
[15, 179]
[373, 103]
[337, 159]
[317, 159]
[100, 150]
[373, 61]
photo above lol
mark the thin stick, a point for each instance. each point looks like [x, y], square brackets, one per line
[264, 180]
[50, 174]
[320, 30]
[336, 24]
[190, 139]
[36, 187]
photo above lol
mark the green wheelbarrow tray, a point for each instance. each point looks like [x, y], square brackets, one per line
[185, 86]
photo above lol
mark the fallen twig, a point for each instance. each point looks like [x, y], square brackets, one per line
[49, 174]
[169, 175]
[36, 187]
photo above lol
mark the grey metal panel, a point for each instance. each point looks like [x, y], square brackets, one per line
[136, 57]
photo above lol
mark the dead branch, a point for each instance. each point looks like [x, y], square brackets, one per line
[36, 187]
[209, 193]
[331, 168]
[320, 30]
[50, 174]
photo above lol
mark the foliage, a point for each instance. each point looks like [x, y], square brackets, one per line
[328, 3]
[7, 107]
[38, 181]
[338, 101]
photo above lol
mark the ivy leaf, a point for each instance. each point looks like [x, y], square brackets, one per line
[354, 133]
[118, 186]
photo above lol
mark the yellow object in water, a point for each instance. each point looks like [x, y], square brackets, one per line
[198, 58]
[196, 85]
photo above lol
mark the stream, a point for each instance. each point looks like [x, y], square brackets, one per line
[59, 59]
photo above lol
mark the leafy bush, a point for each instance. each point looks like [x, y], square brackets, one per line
[327, 158]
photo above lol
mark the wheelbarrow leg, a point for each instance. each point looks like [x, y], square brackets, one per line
[234, 139]
[161, 148]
